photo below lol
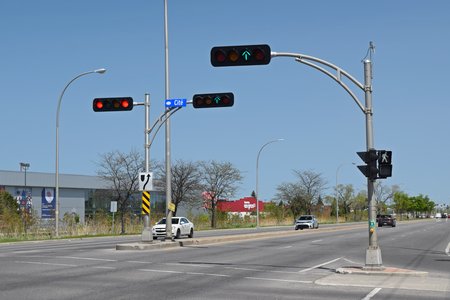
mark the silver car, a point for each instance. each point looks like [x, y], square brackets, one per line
[306, 221]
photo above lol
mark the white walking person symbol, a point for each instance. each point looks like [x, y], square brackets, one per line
[384, 157]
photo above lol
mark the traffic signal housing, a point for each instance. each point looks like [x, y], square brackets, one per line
[378, 164]
[225, 56]
[112, 104]
[370, 170]
[213, 100]
[384, 164]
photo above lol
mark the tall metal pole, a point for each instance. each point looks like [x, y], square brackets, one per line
[99, 71]
[373, 252]
[147, 235]
[257, 178]
[168, 162]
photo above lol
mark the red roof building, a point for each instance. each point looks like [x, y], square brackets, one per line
[244, 205]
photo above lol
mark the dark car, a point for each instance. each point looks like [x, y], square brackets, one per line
[386, 220]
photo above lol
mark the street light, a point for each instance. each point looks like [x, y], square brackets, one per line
[25, 167]
[257, 183]
[337, 201]
[99, 71]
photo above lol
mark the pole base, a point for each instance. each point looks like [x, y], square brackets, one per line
[147, 236]
[373, 258]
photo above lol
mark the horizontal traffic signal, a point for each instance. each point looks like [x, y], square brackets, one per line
[112, 104]
[240, 55]
[213, 100]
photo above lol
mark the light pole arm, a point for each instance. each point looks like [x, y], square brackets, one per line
[308, 60]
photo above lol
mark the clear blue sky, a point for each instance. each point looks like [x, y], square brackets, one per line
[46, 43]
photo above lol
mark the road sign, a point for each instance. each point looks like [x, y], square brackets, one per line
[113, 206]
[145, 181]
[171, 206]
[145, 203]
[175, 102]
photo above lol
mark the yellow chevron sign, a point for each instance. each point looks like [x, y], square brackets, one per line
[145, 203]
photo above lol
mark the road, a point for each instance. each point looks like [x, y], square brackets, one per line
[296, 266]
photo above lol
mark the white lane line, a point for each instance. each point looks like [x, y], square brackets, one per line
[138, 262]
[187, 273]
[259, 270]
[108, 268]
[86, 258]
[280, 280]
[160, 271]
[316, 241]
[42, 263]
[371, 294]
[447, 250]
[318, 266]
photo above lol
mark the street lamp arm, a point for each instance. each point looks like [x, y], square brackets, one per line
[67, 85]
[306, 59]
[161, 121]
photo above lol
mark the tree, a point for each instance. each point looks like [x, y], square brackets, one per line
[121, 170]
[9, 213]
[303, 194]
[383, 195]
[346, 196]
[186, 183]
[219, 180]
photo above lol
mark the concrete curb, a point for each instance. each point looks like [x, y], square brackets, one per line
[380, 271]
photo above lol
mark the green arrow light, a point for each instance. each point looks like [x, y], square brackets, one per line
[217, 99]
[246, 54]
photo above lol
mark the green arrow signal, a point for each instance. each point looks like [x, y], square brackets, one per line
[217, 99]
[246, 54]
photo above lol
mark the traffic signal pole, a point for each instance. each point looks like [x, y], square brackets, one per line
[147, 235]
[373, 252]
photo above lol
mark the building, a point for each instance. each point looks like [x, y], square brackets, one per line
[35, 191]
[242, 207]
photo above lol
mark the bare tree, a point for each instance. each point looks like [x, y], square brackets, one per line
[384, 195]
[303, 194]
[219, 180]
[121, 170]
[186, 183]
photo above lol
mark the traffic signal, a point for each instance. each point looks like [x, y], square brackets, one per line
[384, 164]
[370, 157]
[240, 55]
[112, 104]
[213, 100]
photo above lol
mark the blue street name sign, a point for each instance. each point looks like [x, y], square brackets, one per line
[175, 102]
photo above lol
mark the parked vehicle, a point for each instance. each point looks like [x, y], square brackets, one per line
[386, 220]
[306, 221]
[180, 226]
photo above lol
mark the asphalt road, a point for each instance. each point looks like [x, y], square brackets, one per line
[299, 265]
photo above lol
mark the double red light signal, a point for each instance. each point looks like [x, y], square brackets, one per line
[240, 55]
[112, 104]
[213, 100]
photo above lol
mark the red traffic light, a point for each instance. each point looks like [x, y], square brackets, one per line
[112, 104]
[213, 100]
[240, 55]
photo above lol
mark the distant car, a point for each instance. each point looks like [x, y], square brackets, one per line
[386, 220]
[180, 226]
[306, 221]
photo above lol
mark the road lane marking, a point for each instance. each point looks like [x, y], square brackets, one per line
[100, 267]
[279, 280]
[316, 241]
[179, 272]
[371, 294]
[260, 270]
[447, 250]
[85, 258]
[42, 263]
[321, 265]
